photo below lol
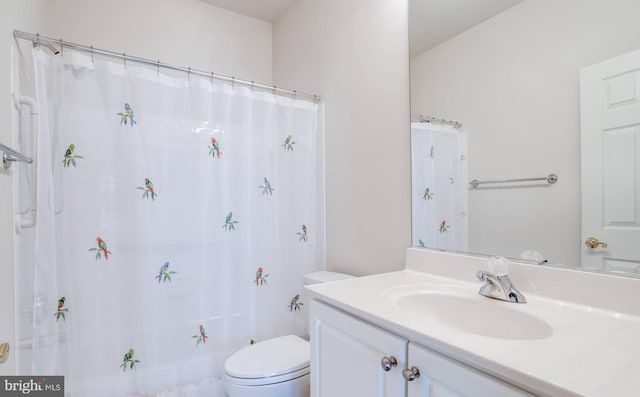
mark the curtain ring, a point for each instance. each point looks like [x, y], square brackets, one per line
[233, 80]
[252, 85]
[38, 40]
[294, 94]
[124, 59]
[158, 68]
[274, 90]
[91, 47]
[211, 81]
[61, 49]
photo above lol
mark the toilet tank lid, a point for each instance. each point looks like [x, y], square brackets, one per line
[324, 277]
[269, 358]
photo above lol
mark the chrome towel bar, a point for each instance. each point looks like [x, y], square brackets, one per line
[551, 179]
[10, 155]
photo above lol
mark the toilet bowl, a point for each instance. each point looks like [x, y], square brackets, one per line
[277, 367]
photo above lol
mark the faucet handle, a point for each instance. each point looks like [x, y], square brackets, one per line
[498, 265]
[499, 287]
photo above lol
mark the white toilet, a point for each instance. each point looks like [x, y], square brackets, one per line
[277, 367]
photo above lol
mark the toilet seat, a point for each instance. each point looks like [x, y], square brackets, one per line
[268, 380]
[272, 361]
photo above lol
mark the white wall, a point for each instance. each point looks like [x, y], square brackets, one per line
[186, 33]
[181, 32]
[355, 55]
[513, 82]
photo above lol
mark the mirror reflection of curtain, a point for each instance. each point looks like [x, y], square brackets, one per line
[439, 187]
[176, 217]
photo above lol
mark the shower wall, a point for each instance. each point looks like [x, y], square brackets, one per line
[182, 32]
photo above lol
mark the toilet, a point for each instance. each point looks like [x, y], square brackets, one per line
[277, 367]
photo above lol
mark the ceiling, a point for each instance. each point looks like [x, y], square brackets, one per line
[431, 22]
[266, 10]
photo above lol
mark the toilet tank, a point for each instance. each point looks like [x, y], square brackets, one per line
[317, 278]
[323, 277]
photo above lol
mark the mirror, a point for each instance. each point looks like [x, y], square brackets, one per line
[509, 71]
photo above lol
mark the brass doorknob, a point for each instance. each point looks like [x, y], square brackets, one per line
[593, 242]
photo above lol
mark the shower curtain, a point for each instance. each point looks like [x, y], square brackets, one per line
[439, 187]
[176, 216]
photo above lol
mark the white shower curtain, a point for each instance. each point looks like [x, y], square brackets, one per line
[176, 216]
[439, 187]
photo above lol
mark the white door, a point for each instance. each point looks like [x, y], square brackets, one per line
[442, 377]
[347, 353]
[610, 140]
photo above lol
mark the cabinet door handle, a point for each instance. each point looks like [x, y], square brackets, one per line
[388, 362]
[411, 374]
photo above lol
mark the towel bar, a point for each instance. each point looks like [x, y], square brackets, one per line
[551, 179]
[10, 155]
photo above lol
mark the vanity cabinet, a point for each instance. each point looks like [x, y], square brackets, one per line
[346, 356]
[441, 376]
[350, 357]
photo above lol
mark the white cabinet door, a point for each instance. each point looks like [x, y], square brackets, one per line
[346, 356]
[443, 377]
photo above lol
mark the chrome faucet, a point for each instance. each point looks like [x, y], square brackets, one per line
[499, 287]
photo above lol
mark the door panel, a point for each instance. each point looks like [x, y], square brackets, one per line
[610, 144]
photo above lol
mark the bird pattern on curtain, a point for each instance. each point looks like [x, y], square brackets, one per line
[176, 217]
[164, 275]
[439, 175]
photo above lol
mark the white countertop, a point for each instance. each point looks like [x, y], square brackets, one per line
[589, 351]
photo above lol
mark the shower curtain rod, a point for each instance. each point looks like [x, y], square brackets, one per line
[50, 43]
[429, 119]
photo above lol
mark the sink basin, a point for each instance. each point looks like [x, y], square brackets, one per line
[471, 313]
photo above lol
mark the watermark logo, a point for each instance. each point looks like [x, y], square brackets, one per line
[38, 386]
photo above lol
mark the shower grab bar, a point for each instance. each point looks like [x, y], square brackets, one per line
[11, 155]
[551, 179]
[28, 218]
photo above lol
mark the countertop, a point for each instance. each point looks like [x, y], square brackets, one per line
[588, 351]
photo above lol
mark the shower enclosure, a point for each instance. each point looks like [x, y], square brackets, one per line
[439, 192]
[166, 221]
